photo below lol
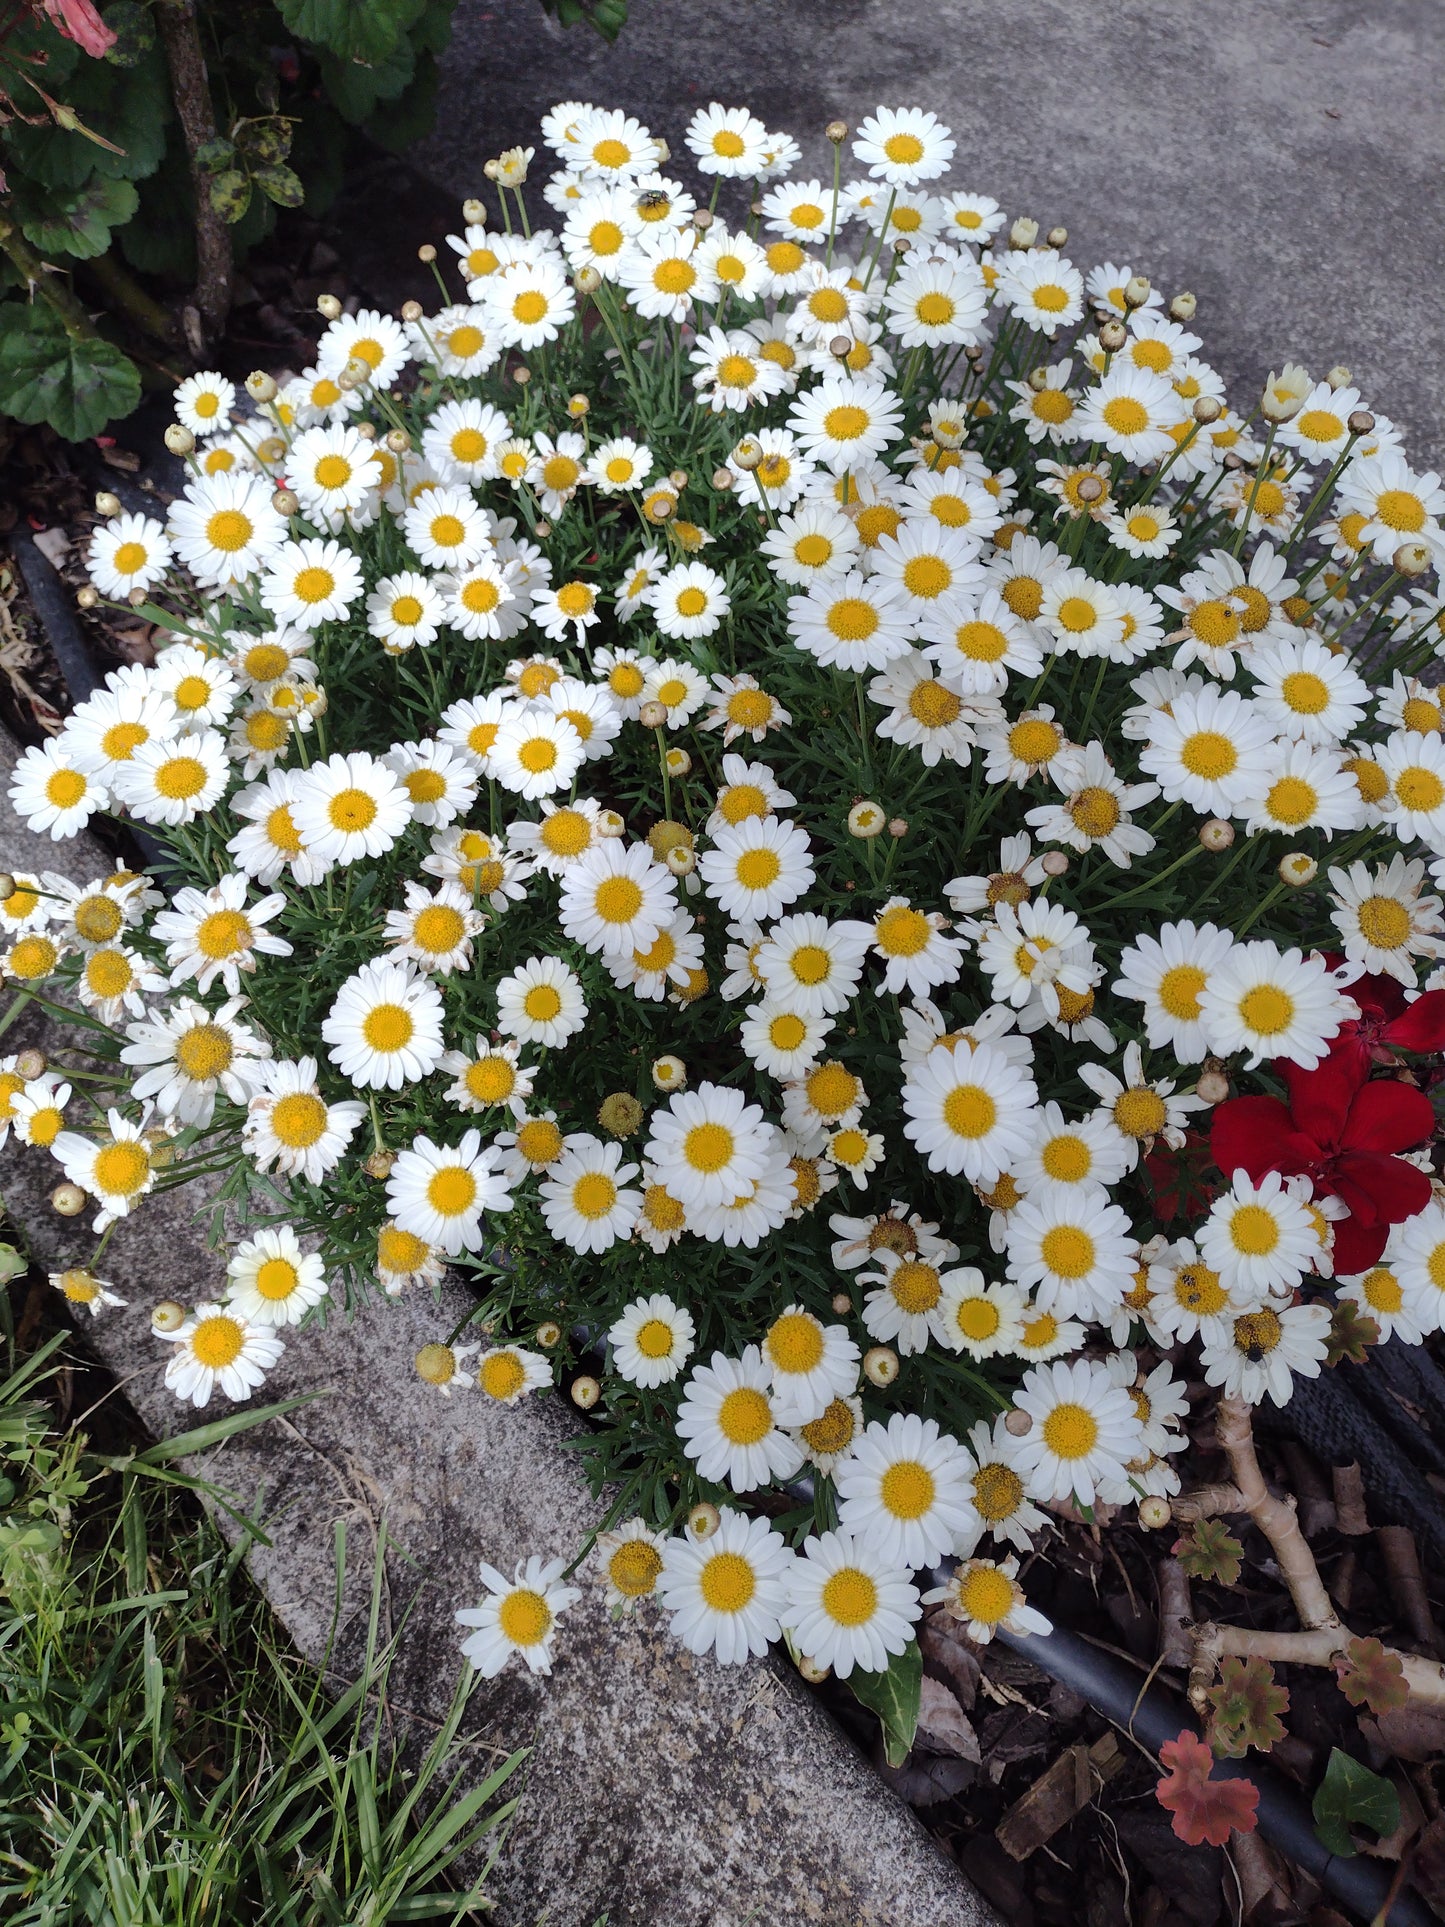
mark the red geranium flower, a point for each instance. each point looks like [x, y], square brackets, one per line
[1388, 1024]
[79, 21]
[1341, 1130]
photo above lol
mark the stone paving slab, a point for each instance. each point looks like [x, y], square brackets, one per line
[1284, 161]
[661, 1790]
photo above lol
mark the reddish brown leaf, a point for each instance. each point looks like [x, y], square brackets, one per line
[1209, 1550]
[1369, 1676]
[1246, 1705]
[1203, 1809]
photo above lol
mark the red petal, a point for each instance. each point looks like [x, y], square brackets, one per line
[1380, 1189]
[1421, 1026]
[1319, 1100]
[1388, 1115]
[1358, 1246]
[1247, 1134]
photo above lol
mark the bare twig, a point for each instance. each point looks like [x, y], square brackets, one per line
[191, 91]
[1176, 1614]
[1274, 1517]
[1424, 1677]
[1350, 1501]
[1407, 1583]
[1207, 1502]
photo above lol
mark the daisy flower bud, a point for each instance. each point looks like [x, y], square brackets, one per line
[1023, 233]
[585, 1392]
[474, 212]
[702, 220]
[1018, 1424]
[669, 1073]
[1112, 336]
[1339, 376]
[180, 440]
[1038, 379]
[1057, 237]
[587, 280]
[1213, 1086]
[840, 347]
[1206, 410]
[1278, 405]
[68, 1200]
[897, 826]
[30, 1063]
[167, 1316]
[652, 715]
[1360, 421]
[1154, 1513]
[1216, 834]
[749, 453]
[426, 253]
[549, 1334]
[137, 598]
[328, 305]
[1413, 559]
[578, 406]
[412, 311]
[1184, 306]
[722, 480]
[543, 530]
[880, 1365]
[271, 451]
[379, 1164]
[810, 1670]
[86, 597]
[1136, 291]
[1054, 863]
[678, 478]
[7, 885]
[680, 859]
[521, 376]
[1297, 868]
[836, 131]
[865, 820]
[286, 503]
[703, 1521]
[260, 386]
[398, 441]
[107, 504]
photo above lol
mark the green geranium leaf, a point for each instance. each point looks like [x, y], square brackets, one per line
[281, 185]
[399, 124]
[365, 30]
[1350, 1795]
[894, 1697]
[355, 90]
[231, 194]
[76, 221]
[131, 108]
[47, 375]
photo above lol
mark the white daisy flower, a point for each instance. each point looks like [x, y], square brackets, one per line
[728, 141]
[904, 1491]
[1068, 1152]
[490, 1075]
[976, 644]
[1212, 749]
[557, 470]
[845, 420]
[350, 807]
[173, 781]
[440, 1194]
[726, 1594]
[471, 727]
[812, 966]
[1188, 1298]
[652, 1339]
[811, 1364]
[906, 1308]
[1000, 1496]
[584, 1200]
[517, 1616]
[969, 1111]
[1259, 1237]
[1137, 1109]
[901, 146]
[1308, 693]
[271, 1281]
[535, 753]
[1264, 1349]
[507, 1374]
[937, 303]
[663, 1218]
[1273, 1003]
[731, 374]
[1306, 789]
[1072, 1249]
[1414, 768]
[986, 1596]
[52, 793]
[756, 868]
[849, 1607]
[729, 1427]
[1168, 973]
[541, 1002]
[291, 1128]
[459, 342]
[1042, 289]
[225, 528]
[708, 1145]
[629, 1564]
[218, 1349]
[188, 1054]
[385, 1026]
[436, 928]
[216, 933]
[128, 552]
[689, 601]
[446, 529]
[115, 981]
[35, 1110]
[1083, 1434]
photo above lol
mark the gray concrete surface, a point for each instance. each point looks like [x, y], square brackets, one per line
[1283, 160]
[660, 1790]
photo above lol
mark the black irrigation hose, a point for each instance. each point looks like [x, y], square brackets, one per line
[1153, 1715]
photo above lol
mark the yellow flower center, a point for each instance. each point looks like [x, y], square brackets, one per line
[1034, 740]
[1067, 1250]
[794, 1343]
[524, 1617]
[1071, 1431]
[969, 1111]
[727, 1582]
[708, 1147]
[1095, 811]
[998, 1492]
[745, 1416]
[986, 1594]
[634, 1567]
[902, 931]
[1419, 789]
[915, 1286]
[388, 1027]
[759, 869]
[298, 1119]
[205, 1051]
[1401, 510]
[1140, 1112]
[846, 422]
[1381, 1289]
[180, 777]
[832, 1090]
[1208, 754]
[1125, 415]
[229, 531]
[217, 1341]
[1253, 1231]
[1258, 1332]
[1384, 922]
[1179, 990]
[1067, 1159]
[1266, 1010]
[1292, 801]
[539, 1141]
[907, 1490]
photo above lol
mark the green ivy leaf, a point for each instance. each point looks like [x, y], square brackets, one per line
[46, 375]
[1350, 1795]
[894, 1697]
[75, 221]
[231, 194]
[365, 30]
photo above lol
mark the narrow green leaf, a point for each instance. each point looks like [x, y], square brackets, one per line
[203, 1437]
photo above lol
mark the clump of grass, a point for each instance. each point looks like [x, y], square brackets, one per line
[166, 1760]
